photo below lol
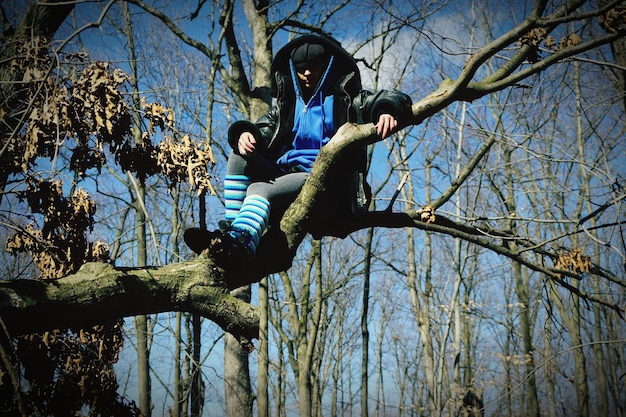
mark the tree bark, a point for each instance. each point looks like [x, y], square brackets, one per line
[521, 286]
[263, 400]
[176, 399]
[237, 387]
[197, 392]
[144, 385]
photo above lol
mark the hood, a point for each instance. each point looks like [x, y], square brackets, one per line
[343, 61]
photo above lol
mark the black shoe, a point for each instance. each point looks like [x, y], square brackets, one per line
[231, 248]
[199, 239]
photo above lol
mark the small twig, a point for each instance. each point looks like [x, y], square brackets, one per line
[398, 189]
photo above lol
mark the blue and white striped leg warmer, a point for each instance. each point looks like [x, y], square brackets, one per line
[252, 218]
[235, 187]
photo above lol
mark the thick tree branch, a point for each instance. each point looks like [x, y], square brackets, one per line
[465, 88]
[100, 293]
[480, 89]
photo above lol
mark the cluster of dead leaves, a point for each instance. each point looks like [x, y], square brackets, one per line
[60, 247]
[614, 20]
[31, 97]
[105, 341]
[186, 161]
[97, 105]
[88, 108]
[427, 214]
[157, 115]
[31, 58]
[139, 158]
[96, 116]
[92, 111]
[69, 369]
[573, 260]
[536, 36]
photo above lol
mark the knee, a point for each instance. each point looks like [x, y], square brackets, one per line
[258, 188]
[236, 164]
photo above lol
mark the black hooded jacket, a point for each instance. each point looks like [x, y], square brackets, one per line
[273, 131]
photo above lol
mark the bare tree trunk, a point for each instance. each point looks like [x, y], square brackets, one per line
[570, 313]
[263, 408]
[238, 391]
[550, 370]
[143, 365]
[336, 375]
[521, 285]
[306, 341]
[507, 389]
[176, 408]
[598, 349]
[531, 402]
[420, 299]
[141, 322]
[457, 388]
[188, 367]
[177, 389]
[197, 392]
[380, 378]
[364, 318]
[281, 386]
[616, 362]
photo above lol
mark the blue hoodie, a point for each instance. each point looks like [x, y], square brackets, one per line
[313, 123]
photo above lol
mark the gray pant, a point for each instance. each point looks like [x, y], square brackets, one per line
[281, 188]
[267, 180]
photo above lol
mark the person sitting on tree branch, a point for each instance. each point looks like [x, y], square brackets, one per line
[317, 86]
